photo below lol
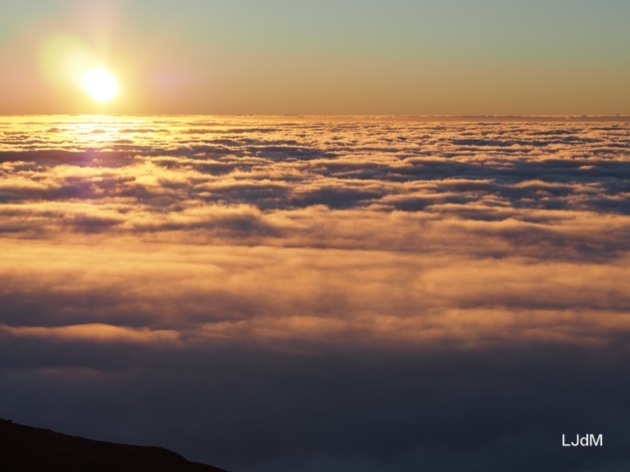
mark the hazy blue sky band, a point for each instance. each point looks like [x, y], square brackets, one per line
[355, 24]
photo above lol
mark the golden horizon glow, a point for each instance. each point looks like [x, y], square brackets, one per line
[100, 84]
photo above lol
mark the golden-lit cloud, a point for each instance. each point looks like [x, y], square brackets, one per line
[408, 231]
[92, 332]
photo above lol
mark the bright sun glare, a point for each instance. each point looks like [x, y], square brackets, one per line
[99, 84]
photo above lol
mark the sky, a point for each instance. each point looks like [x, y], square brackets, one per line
[321, 295]
[327, 57]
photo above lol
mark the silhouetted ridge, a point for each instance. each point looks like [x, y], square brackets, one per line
[27, 448]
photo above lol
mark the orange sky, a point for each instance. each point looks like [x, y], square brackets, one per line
[333, 57]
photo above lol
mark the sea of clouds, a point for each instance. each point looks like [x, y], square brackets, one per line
[286, 293]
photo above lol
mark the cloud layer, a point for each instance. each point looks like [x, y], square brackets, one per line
[320, 294]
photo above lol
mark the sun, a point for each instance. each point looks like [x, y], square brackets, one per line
[100, 84]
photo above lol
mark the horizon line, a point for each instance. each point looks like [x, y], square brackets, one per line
[365, 116]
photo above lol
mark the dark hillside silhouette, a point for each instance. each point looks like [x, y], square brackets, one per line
[27, 448]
